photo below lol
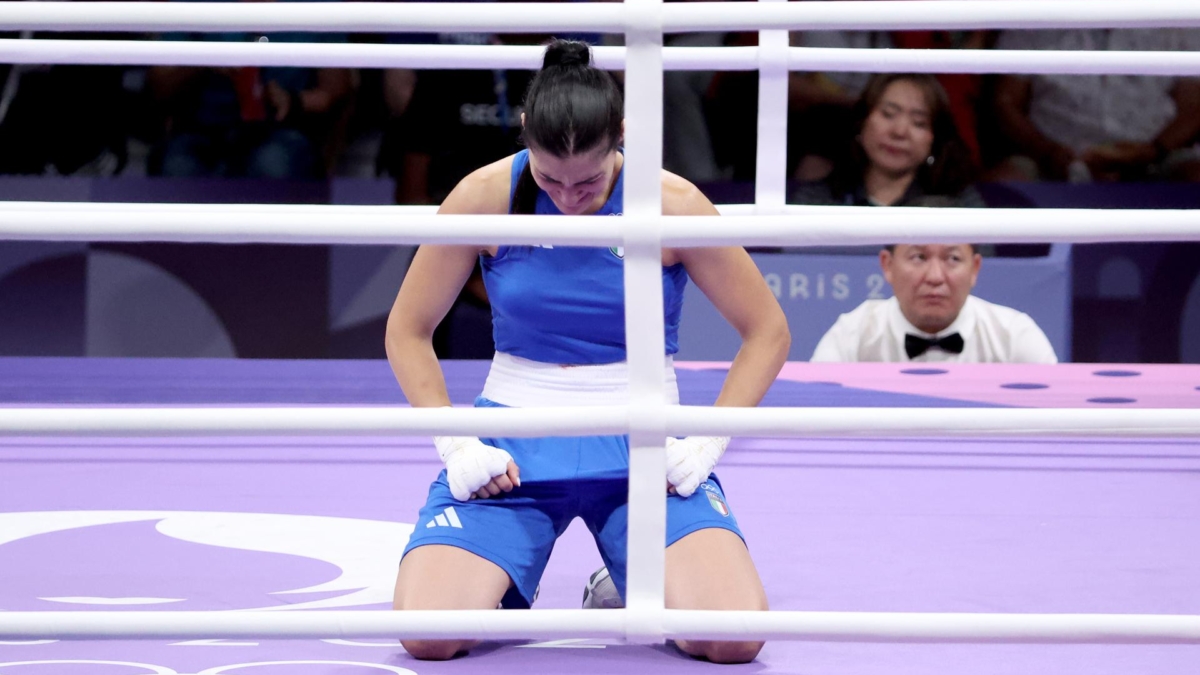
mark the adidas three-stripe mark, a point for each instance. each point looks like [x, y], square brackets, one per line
[447, 518]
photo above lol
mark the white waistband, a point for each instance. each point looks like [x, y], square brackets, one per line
[521, 383]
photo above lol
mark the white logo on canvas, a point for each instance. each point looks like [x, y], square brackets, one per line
[447, 518]
[363, 550]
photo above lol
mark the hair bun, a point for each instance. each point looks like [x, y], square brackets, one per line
[567, 53]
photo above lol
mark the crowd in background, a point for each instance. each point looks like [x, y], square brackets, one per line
[853, 138]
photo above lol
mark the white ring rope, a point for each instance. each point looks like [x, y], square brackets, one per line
[599, 420]
[847, 226]
[935, 627]
[800, 226]
[344, 17]
[931, 15]
[316, 55]
[989, 61]
[577, 623]
[643, 232]
[602, 17]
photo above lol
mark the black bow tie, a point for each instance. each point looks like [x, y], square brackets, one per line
[915, 345]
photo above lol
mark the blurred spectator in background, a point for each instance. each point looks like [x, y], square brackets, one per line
[446, 123]
[906, 147]
[731, 110]
[269, 122]
[1099, 127]
[64, 119]
[933, 316]
[687, 142]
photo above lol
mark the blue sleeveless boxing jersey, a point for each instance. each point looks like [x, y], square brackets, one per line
[566, 304]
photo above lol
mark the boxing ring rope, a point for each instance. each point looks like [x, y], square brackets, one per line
[452, 57]
[643, 232]
[564, 624]
[598, 420]
[598, 17]
[802, 226]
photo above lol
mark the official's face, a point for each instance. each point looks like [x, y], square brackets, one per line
[931, 281]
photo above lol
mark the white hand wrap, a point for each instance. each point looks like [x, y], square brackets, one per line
[691, 459]
[470, 464]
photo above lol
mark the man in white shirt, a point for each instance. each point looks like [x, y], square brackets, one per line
[933, 316]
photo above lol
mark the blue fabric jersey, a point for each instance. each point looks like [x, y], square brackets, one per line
[566, 304]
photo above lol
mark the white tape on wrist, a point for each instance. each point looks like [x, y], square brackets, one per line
[470, 464]
[690, 461]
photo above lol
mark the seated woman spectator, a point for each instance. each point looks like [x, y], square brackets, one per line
[907, 147]
[819, 104]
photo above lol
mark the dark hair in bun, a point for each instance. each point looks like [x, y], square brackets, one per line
[570, 107]
[566, 53]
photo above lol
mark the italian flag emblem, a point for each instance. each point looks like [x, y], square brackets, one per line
[717, 503]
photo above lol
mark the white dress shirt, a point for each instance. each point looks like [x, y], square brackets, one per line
[875, 330]
[1084, 111]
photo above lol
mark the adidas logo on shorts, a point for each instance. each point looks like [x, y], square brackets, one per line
[447, 518]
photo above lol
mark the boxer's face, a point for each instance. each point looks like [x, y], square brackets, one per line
[578, 184]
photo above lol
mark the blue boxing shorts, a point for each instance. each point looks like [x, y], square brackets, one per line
[562, 478]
